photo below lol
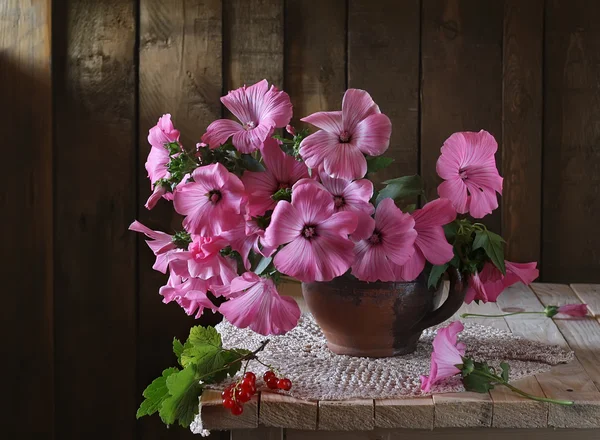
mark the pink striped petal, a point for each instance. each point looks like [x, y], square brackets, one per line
[286, 225]
[456, 191]
[372, 135]
[219, 131]
[345, 161]
[328, 121]
[356, 106]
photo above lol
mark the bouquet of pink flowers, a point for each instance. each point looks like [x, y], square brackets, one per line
[257, 206]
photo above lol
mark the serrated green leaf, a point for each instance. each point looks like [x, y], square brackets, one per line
[177, 349]
[377, 163]
[155, 394]
[493, 245]
[182, 403]
[262, 265]
[505, 371]
[477, 383]
[401, 188]
[435, 274]
[204, 336]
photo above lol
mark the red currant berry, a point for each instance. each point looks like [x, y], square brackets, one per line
[226, 393]
[249, 388]
[284, 384]
[228, 403]
[250, 376]
[236, 410]
[268, 374]
[243, 395]
[272, 382]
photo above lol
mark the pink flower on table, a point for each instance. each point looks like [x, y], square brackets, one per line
[254, 302]
[190, 294]
[259, 109]
[447, 353]
[468, 166]
[161, 244]
[316, 241]
[390, 243]
[204, 260]
[487, 285]
[212, 203]
[281, 171]
[346, 136]
[577, 310]
[431, 243]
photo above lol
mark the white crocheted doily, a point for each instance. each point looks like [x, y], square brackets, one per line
[318, 374]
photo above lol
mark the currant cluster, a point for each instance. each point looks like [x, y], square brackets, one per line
[235, 395]
[274, 383]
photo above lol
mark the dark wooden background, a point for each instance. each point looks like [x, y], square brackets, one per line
[82, 81]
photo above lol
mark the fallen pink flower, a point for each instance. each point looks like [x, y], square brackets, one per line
[578, 310]
[447, 353]
[487, 285]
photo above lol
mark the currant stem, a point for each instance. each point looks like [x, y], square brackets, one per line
[469, 315]
[501, 381]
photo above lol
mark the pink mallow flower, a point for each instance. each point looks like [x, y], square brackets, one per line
[389, 243]
[281, 171]
[190, 294]
[245, 237]
[161, 244]
[431, 243]
[577, 310]
[316, 241]
[204, 260]
[346, 136]
[468, 166]
[254, 302]
[259, 109]
[212, 203]
[447, 353]
[487, 285]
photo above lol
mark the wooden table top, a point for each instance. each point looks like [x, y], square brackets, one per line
[500, 408]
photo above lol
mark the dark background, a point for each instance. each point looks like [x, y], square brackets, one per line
[82, 81]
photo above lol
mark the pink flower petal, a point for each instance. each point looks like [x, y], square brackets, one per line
[286, 225]
[156, 165]
[356, 106]
[247, 141]
[397, 231]
[372, 135]
[482, 200]
[526, 273]
[577, 310]
[371, 263]
[438, 212]
[364, 226]
[219, 131]
[456, 191]
[317, 146]
[410, 270]
[345, 161]
[276, 106]
[328, 121]
[260, 186]
[313, 203]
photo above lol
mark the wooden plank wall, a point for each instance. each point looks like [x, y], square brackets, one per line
[80, 92]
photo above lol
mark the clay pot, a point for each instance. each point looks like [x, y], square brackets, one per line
[379, 319]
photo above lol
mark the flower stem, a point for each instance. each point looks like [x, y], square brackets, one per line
[501, 381]
[502, 315]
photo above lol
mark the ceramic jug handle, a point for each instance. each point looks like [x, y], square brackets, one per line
[456, 296]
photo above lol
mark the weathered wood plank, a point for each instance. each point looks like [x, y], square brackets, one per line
[95, 197]
[180, 73]
[520, 298]
[286, 412]
[582, 334]
[415, 413]
[217, 417]
[346, 415]
[252, 42]
[461, 78]
[522, 128]
[571, 160]
[315, 56]
[462, 410]
[383, 58]
[590, 295]
[257, 434]
[564, 381]
[26, 197]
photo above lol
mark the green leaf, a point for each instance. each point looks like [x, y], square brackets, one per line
[450, 230]
[377, 163]
[435, 274]
[262, 265]
[493, 245]
[401, 188]
[505, 371]
[251, 164]
[177, 349]
[477, 383]
[155, 394]
[204, 336]
[182, 403]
